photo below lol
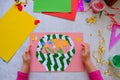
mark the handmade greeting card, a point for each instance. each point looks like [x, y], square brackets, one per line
[56, 52]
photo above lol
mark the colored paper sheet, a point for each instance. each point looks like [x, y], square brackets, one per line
[52, 6]
[70, 15]
[80, 6]
[56, 52]
[15, 26]
[114, 39]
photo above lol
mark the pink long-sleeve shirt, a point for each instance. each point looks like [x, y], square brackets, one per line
[95, 75]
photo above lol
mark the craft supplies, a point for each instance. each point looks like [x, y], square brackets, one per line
[91, 20]
[97, 6]
[114, 39]
[113, 20]
[110, 2]
[101, 12]
[101, 48]
[15, 27]
[80, 6]
[52, 5]
[56, 52]
[66, 15]
[20, 7]
[36, 22]
[115, 61]
[21, 2]
[87, 1]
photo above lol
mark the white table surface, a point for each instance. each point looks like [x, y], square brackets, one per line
[8, 71]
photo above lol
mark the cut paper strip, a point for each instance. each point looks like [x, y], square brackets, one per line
[70, 15]
[60, 52]
[80, 6]
[15, 26]
[114, 39]
[52, 6]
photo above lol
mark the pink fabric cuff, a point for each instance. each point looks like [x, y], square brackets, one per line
[95, 75]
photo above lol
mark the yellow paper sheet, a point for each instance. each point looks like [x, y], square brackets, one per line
[15, 27]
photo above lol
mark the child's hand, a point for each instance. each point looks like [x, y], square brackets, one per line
[26, 56]
[26, 60]
[86, 57]
[85, 52]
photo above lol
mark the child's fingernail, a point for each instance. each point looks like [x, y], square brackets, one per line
[82, 45]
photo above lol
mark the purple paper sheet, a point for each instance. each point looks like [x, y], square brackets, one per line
[114, 39]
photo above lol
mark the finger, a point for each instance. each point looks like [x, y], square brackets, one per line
[28, 50]
[86, 45]
[83, 48]
[87, 48]
[82, 45]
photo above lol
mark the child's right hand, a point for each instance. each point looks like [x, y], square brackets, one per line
[85, 53]
[86, 57]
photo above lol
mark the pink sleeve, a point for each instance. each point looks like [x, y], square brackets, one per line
[95, 75]
[22, 76]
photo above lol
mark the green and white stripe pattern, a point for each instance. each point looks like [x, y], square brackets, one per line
[55, 61]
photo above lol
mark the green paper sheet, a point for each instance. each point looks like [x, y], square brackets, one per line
[52, 6]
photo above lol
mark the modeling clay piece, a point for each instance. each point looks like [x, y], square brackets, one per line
[20, 7]
[34, 37]
[36, 22]
[78, 39]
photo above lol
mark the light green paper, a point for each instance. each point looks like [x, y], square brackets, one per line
[52, 6]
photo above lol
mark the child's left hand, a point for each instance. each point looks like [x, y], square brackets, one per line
[26, 61]
[26, 56]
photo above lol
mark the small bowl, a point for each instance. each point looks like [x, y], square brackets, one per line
[115, 61]
[97, 6]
